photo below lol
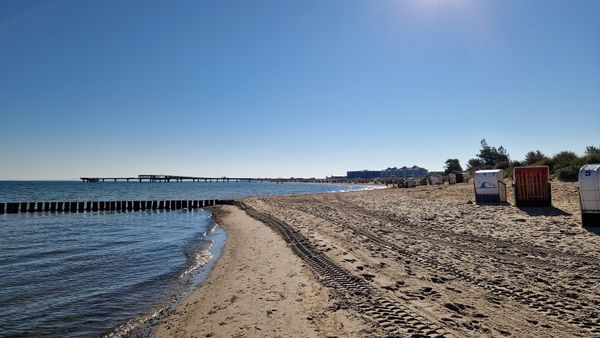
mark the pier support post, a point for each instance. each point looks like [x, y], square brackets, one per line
[2, 207]
[32, 206]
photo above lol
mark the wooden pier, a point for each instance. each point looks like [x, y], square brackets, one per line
[172, 178]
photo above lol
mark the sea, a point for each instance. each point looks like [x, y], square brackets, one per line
[111, 273]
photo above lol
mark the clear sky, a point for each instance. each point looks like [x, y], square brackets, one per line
[290, 88]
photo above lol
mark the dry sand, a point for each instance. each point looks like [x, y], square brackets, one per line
[258, 288]
[423, 261]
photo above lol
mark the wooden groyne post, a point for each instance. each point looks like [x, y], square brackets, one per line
[91, 206]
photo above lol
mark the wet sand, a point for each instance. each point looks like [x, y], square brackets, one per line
[423, 261]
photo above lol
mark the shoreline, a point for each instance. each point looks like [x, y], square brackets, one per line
[257, 287]
[188, 280]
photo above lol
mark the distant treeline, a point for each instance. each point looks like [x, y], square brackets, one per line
[565, 165]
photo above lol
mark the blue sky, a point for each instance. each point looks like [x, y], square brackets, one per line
[290, 88]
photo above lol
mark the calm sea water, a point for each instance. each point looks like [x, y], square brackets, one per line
[34, 191]
[94, 273]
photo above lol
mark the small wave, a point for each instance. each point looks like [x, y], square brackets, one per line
[126, 329]
[211, 229]
[198, 260]
[359, 188]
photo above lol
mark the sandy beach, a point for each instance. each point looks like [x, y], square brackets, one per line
[258, 288]
[399, 262]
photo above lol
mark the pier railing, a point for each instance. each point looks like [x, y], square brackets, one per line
[88, 206]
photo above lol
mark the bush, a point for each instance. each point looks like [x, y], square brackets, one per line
[508, 172]
[569, 173]
[564, 159]
[503, 165]
[535, 157]
[474, 164]
[592, 155]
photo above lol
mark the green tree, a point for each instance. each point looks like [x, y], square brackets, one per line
[492, 157]
[453, 166]
[535, 157]
[474, 163]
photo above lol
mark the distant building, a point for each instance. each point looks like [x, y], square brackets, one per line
[404, 172]
[364, 174]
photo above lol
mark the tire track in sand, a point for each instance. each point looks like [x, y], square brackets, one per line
[393, 317]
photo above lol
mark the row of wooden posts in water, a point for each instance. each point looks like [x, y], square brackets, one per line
[23, 207]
